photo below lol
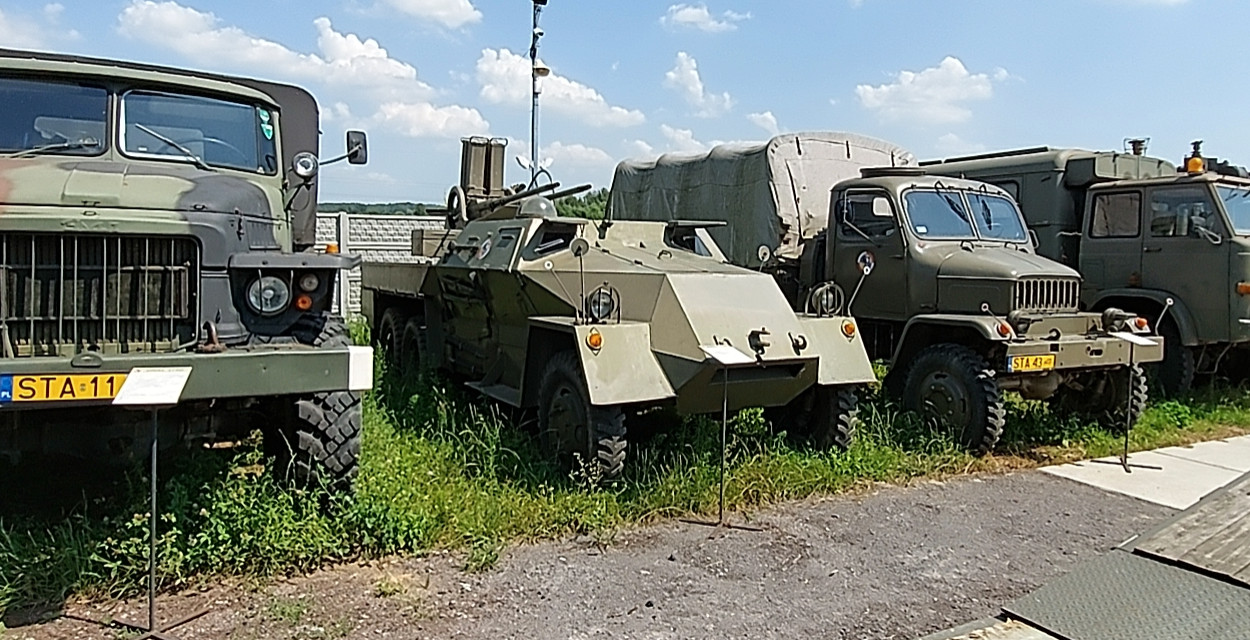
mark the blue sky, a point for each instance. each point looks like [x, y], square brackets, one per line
[639, 78]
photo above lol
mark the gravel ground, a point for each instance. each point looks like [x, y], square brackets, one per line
[900, 562]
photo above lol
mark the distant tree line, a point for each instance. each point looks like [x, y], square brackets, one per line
[590, 204]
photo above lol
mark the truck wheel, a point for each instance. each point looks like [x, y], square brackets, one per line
[953, 388]
[825, 416]
[569, 425]
[412, 349]
[1105, 396]
[389, 332]
[1174, 374]
[318, 442]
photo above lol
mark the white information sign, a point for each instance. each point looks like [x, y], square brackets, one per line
[1134, 338]
[153, 386]
[726, 355]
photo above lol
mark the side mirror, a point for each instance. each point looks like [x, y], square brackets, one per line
[357, 147]
[764, 253]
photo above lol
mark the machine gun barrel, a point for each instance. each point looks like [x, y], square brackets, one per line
[568, 192]
[494, 203]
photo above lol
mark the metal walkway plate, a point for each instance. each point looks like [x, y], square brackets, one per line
[1124, 596]
[1212, 536]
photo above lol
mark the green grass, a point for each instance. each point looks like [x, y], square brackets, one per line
[441, 469]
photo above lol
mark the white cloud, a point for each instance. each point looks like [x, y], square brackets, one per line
[697, 16]
[684, 78]
[936, 95]
[452, 14]
[422, 119]
[20, 31]
[505, 79]
[343, 61]
[953, 145]
[640, 148]
[578, 155]
[681, 140]
[766, 121]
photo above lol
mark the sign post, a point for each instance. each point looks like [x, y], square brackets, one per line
[154, 388]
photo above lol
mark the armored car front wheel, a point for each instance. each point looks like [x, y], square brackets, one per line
[569, 426]
[954, 390]
[824, 417]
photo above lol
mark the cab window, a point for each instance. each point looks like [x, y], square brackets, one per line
[1116, 215]
[49, 117]
[869, 213]
[687, 239]
[1181, 212]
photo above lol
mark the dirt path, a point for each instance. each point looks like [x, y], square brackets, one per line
[899, 563]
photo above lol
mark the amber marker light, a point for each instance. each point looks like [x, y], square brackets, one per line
[848, 328]
[1243, 288]
[594, 339]
[1141, 323]
[1195, 164]
[303, 302]
[1004, 329]
[333, 247]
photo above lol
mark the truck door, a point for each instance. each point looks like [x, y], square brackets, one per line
[867, 221]
[1180, 255]
[1112, 253]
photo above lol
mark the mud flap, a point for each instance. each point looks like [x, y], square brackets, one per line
[622, 369]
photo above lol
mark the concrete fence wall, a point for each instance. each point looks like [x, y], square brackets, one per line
[375, 238]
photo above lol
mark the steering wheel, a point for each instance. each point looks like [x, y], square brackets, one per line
[244, 160]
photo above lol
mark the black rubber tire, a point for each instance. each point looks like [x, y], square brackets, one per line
[1104, 397]
[318, 441]
[413, 348]
[958, 367]
[597, 434]
[823, 417]
[388, 333]
[1174, 374]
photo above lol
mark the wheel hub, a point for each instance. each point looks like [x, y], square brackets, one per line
[945, 400]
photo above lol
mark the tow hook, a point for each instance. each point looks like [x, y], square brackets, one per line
[798, 342]
[758, 342]
[211, 344]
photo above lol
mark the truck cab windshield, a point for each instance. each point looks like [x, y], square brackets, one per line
[950, 214]
[1237, 204]
[204, 131]
[44, 117]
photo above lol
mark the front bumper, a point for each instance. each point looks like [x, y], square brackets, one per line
[237, 373]
[1081, 352]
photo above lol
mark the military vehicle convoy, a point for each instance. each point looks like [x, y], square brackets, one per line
[154, 217]
[595, 323]
[1142, 232]
[959, 304]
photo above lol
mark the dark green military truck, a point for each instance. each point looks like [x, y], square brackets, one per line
[958, 302]
[153, 217]
[1142, 234]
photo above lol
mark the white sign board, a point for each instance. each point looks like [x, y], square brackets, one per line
[726, 355]
[1142, 341]
[153, 386]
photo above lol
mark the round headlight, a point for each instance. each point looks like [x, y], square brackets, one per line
[601, 304]
[309, 282]
[828, 302]
[305, 165]
[268, 295]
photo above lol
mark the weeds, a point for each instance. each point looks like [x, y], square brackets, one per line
[441, 469]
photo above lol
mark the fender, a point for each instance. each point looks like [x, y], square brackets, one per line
[623, 369]
[843, 360]
[1179, 312]
[983, 325]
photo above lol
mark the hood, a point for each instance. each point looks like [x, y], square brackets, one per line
[1000, 263]
[46, 181]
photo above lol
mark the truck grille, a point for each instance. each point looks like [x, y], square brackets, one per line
[1047, 294]
[62, 294]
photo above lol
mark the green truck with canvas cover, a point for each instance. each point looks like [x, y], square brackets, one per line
[155, 217]
[958, 304]
[1169, 243]
[597, 325]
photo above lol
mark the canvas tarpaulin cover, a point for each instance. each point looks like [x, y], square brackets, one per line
[773, 193]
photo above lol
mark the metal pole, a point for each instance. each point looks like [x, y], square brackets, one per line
[534, 93]
[724, 431]
[152, 532]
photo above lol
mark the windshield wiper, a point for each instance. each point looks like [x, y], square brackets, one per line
[83, 143]
[950, 202]
[199, 162]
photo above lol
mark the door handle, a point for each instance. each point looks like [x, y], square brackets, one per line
[1152, 249]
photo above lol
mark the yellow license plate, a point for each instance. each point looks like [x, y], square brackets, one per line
[1019, 364]
[60, 388]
